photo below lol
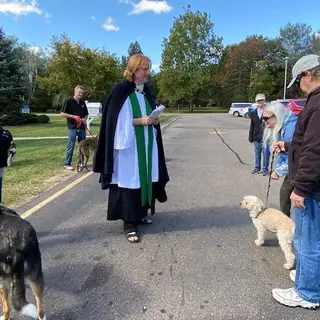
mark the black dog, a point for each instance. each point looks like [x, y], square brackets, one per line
[20, 261]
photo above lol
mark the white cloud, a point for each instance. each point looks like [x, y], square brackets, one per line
[22, 8]
[93, 18]
[34, 49]
[148, 5]
[155, 67]
[109, 25]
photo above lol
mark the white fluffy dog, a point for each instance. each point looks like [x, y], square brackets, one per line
[273, 220]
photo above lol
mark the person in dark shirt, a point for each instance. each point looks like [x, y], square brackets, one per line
[76, 112]
[304, 171]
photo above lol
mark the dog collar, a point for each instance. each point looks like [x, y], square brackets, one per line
[261, 212]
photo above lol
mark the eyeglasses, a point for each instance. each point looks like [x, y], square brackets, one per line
[298, 79]
[267, 118]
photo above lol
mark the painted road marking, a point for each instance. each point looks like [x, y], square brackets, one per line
[54, 196]
[216, 132]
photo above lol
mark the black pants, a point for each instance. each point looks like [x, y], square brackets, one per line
[285, 192]
[0, 189]
[130, 227]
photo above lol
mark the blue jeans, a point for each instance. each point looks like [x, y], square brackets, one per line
[258, 148]
[307, 247]
[72, 135]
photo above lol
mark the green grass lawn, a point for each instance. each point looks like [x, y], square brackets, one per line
[38, 164]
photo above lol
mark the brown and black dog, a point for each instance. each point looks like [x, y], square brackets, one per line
[20, 261]
[84, 148]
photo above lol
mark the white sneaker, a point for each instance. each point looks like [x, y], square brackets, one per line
[293, 275]
[67, 167]
[290, 298]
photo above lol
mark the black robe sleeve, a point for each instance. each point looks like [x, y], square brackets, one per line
[103, 160]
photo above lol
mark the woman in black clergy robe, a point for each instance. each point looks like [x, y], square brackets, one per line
[130, 156]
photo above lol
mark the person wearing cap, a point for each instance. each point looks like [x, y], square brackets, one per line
[256, 136]
[304, 170]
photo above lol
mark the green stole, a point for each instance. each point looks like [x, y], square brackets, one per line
[145, 169]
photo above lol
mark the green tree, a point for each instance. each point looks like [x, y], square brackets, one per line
[297, 40]
[11, 79]
[189, 53]
[72, 64]
[34, 63]
[134, 48]
[316, 43]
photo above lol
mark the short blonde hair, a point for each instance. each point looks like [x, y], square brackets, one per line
[135, 62]
[79, 87]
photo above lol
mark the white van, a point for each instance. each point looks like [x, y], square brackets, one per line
[236, 108]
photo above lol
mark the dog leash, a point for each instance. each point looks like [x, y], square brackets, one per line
[89, 131]
[270, 173]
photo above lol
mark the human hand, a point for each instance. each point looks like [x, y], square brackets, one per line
[156, 121]
[274, 176]
[297, 201]
[278, 147]
[146, 121]
[77, 118]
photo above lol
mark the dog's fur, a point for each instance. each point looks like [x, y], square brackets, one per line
[11, 152]
[20, 261]
[273, 220]
[84, 148]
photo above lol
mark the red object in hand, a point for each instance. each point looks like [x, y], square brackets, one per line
[77, 118]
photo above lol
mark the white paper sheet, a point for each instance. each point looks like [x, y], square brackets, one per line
[156, 112]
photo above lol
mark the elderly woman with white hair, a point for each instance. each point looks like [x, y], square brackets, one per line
[279, 126]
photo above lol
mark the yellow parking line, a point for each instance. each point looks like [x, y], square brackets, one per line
[54, 196]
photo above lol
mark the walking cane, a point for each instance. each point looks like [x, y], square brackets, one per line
[269, 182]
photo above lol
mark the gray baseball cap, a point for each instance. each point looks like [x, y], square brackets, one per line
[304, 64]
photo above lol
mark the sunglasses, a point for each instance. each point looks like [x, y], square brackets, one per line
[267, 118]
[298, 79]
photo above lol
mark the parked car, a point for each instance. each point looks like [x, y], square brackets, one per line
[236, 108]
[246, 112]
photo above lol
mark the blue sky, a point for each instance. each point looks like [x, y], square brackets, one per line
[113, 24]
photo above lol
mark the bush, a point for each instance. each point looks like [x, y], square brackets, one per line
[32, 118]
[19, 119]
[13, 120]
[43, 118]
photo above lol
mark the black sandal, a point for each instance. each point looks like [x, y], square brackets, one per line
[133, 235]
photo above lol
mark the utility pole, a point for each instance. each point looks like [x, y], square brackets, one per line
[285, 77]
